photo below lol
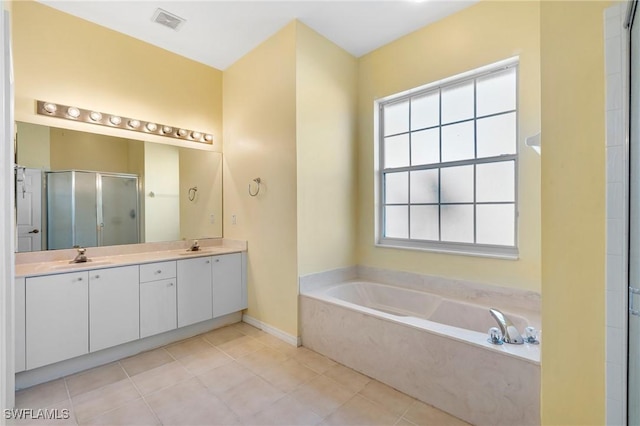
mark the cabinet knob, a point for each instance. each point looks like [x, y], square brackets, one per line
[208, 261]
[158, 271]
[217, 260]
[97, 276]
[79, 278]
[170, 284]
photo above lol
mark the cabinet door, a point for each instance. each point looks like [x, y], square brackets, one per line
[57, 319]
[20, 324]
[194, 291]
[114, 307]
[227, 284]
[157, 307]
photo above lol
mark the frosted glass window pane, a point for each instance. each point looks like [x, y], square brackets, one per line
[496, 92]
[396, 118]
[424, 186]
[396, 222]
[495, 224]
[457, 142]
[456, 223]
[396, 188]
[457, 102]
[497, 135]
[456, 184]
[396, 151]
[424, 222]
[425, 111]
[425, 147]
[495, 182]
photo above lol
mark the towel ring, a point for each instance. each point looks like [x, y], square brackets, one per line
[257, 181]
[192, 193]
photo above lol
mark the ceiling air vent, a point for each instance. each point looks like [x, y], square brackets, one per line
[167, 19]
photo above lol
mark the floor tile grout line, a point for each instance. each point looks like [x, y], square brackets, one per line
[155, 415]
[73, 411]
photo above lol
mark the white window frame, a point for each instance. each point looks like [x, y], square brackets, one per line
[472, 249]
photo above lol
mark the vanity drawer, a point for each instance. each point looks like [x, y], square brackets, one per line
[157, 271]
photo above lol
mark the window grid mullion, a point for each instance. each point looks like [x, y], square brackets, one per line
[409, 177]
[475, 155]
[439, 168]
[471, 161]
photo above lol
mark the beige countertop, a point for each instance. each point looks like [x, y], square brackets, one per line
[58, 261]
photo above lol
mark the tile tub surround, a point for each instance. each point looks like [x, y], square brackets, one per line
[49, 261]
[233, 375]
[478, 382]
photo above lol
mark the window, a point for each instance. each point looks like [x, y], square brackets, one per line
[448, 164]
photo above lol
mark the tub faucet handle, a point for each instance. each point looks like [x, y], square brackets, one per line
[509, 331]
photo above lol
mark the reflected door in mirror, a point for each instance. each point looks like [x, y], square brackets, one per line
[29, 209]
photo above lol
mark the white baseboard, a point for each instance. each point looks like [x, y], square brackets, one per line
[276, 332]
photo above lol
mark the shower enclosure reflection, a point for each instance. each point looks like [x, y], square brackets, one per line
[89, 209]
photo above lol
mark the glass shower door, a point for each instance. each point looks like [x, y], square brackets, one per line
[119, 208]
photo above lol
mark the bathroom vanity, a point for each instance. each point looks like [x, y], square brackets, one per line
[117, 305]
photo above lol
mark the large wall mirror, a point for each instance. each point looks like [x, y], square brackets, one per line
[82, 189]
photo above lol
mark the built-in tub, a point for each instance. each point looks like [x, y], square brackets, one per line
[431, 347]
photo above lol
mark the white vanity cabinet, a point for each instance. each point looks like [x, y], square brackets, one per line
[114, 306]
[66, 315]
[20, 325]
[229, 293]
[57, 318]
[195, 301]
[158, 298]
[209, 287]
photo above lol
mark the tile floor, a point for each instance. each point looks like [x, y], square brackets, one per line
[236, 375]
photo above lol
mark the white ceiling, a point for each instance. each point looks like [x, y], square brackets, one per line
[218, 33]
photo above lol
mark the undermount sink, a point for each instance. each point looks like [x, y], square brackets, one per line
[87, 264]
[201, 251]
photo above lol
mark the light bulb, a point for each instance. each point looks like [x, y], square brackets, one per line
[95, 116]
[152, 127]
[196, 135]
[50, 108]
[134, 124]
[115, 120]
[208, 138]
[182, 132]
[73, 112]
[167, 129]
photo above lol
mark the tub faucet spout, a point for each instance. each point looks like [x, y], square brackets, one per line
[509, 331]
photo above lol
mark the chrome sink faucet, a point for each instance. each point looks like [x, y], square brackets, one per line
[509, 331]
[195, 246]
[81, 256]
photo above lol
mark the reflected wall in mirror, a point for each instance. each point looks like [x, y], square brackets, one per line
[169, 205]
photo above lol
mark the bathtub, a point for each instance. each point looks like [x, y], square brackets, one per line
[429, 346]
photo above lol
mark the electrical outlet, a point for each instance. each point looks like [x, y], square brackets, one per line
[234, 220]
[212, 218]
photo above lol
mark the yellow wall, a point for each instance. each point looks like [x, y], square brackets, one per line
[326, 164]
[161, 192]
[33, 146]
[477, 36]
[85, 151]
[260, 141]
[573, 213]
[64, 59]
[204, 171]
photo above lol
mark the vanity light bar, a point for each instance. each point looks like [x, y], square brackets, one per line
[72, 113]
